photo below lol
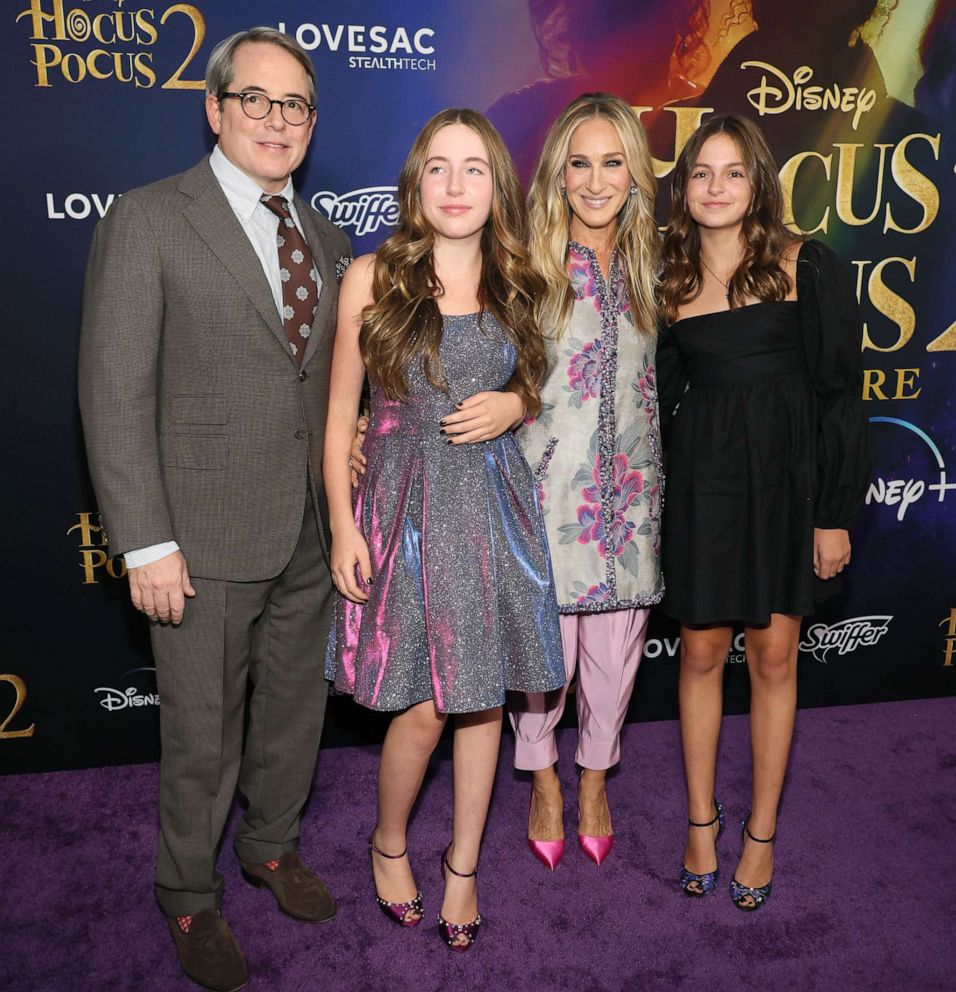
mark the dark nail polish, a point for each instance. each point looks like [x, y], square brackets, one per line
[441, 430]
[448, 440]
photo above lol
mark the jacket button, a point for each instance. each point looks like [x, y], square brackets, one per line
[303, 375]
[300, 433]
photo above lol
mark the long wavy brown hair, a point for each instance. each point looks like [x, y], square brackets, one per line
[635, 238]
[764, 237]
[403, 321]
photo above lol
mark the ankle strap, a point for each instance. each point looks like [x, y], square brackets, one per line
[378, 850]
[759, 840]
[460, 874]
[709, 823]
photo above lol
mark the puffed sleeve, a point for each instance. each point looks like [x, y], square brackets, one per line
[671, 377]
[832, 330]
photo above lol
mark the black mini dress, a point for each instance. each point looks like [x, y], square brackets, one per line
[765, 439]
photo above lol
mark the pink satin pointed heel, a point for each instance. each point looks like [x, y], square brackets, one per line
[548, 852]
[596, 848]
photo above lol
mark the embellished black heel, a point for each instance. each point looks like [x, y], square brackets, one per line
[451, 933]
[692, 884]
[745, 898]
[402, 913]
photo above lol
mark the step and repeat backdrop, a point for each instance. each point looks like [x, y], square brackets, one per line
[857, 100]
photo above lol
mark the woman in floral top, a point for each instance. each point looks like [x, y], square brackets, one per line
[594, 447]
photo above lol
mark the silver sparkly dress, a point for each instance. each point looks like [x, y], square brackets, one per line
[462, 605]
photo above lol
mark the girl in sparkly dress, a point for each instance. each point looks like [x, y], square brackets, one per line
[446, 595]
[594, 445]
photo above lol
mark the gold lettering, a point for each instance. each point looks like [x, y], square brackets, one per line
[119, 59]
[891, 304]
[126, 26]
[175, 82]
[873, 381]
[946, 341]
[47, 57]
[788, 176]
[846, 170]
[914, 184]
[906, 379]
[95, 71]
[98, 31]
[147, 77]
[76, 60]
[39, 18]
[21, 695]
[687, 120]
[78, 25]
[950, 649]
[87, 530]
[144, 21]
[92, 559]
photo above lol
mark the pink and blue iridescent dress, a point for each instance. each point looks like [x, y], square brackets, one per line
[462, 605]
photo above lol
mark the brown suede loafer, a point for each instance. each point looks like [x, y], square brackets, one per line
[299, 893]
[209, 953]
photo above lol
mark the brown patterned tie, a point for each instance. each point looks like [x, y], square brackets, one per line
[300, 295]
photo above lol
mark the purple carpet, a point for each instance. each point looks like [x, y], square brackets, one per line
[863, 893]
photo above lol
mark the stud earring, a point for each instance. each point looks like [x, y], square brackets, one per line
[633, 190]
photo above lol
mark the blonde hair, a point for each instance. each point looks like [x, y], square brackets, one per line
[403, 320]
[549, 216]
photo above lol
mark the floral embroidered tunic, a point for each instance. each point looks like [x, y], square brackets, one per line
[595, 449]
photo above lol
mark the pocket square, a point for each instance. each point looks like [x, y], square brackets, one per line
[341, 264]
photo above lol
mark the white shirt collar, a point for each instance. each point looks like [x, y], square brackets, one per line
[242, 192]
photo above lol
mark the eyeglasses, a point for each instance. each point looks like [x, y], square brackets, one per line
[258, 106]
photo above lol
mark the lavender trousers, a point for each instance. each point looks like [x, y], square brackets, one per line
[606, 650]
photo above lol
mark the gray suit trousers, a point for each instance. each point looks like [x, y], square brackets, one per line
[271, 634]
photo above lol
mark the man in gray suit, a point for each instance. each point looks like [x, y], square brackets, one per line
[208, 321]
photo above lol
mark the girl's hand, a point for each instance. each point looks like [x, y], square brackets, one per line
[483, 417]
[357, 460]
[348, 550]
[831, 552]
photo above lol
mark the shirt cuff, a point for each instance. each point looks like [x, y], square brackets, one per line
[146, 556]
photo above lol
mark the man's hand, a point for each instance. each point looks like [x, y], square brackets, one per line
[357, 459]
[831, 552]
[159, 589]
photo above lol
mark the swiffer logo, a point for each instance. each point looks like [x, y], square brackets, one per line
[844, 637]
[362, 210]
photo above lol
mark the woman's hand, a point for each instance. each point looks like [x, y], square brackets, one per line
[831, 552]
[348, 550]
[483, 417]
[357, 459]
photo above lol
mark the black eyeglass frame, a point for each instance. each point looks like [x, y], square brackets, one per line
[241, 97]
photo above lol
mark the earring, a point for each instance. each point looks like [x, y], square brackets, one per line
[564, 191]
[633, 190]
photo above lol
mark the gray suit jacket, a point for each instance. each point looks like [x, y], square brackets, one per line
[199, 426]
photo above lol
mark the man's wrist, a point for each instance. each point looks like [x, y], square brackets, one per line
[146, 556]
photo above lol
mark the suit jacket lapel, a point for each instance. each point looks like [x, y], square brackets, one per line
[213, 220]
[318, 241]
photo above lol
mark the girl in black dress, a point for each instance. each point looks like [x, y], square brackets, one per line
[767, 451]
